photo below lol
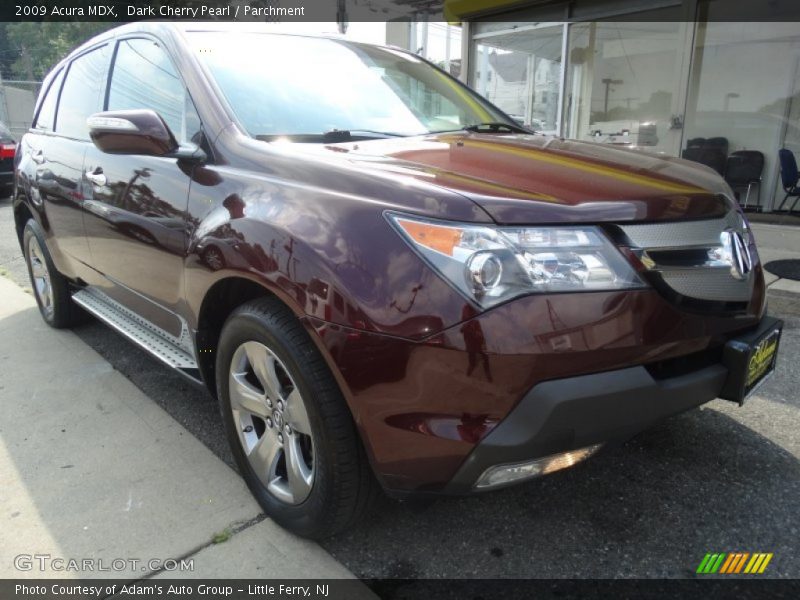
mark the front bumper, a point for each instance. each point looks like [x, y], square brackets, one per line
[426, 409]
[578, 412]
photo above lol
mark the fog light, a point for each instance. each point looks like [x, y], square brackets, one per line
[504, 474]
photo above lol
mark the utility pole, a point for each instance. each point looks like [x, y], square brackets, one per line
[3, 104]
[26, 57]
[608, 82]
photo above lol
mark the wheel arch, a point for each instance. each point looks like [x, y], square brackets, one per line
[219, 301]
[22, 214]
[223, 297]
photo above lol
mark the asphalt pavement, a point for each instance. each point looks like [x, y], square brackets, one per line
[718, 479]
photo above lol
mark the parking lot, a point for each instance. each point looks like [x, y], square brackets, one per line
[718, 479]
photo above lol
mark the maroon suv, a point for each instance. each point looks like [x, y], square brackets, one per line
[382, 277]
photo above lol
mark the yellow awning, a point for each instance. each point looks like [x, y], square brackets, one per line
[456, 11]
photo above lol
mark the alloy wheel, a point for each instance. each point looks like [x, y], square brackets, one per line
[272, 422]
[41, 277]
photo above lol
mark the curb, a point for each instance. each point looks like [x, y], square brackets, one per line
[783, 297]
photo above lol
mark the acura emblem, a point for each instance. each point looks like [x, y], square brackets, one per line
[277, 417]
[736, 253]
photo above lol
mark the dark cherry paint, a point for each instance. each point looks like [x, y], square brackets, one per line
[151, 135]
[424, 374]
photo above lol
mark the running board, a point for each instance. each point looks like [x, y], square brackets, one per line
[157, 342]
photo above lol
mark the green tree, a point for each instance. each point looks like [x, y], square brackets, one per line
[39, 46]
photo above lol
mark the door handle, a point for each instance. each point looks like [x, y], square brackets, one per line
[96, 177]
[38, 157]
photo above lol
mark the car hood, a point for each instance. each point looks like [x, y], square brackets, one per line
[539, 179]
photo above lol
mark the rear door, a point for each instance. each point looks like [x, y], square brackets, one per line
[136, 219]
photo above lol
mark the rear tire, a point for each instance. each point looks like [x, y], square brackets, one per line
[290, 430]
[50, 288]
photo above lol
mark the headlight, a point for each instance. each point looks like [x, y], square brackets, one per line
[494, 264]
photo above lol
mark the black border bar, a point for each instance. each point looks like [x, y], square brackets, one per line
[711, 588]
[387, 10]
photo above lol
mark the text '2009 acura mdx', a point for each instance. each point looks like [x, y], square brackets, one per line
[385, 280]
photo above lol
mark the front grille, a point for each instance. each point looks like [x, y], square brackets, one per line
[680, 234]
[715, 285]
[694, 263]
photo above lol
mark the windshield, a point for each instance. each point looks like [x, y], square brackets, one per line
[284, 85]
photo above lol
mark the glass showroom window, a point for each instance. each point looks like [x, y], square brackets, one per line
[744, 97]
[518, 68]
[624, 83]
[439, 43]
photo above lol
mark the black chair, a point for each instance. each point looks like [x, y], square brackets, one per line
[711, 152]
[790, 178]
[719, 143]
[696, 143]
[743, 169]
[715, 153]
[692, 153]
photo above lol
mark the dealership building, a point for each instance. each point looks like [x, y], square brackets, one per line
[679, 77]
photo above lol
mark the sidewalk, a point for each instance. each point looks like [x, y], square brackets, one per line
[779, 242]
[90, 468]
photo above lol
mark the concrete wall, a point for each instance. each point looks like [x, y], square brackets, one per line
[17, 101]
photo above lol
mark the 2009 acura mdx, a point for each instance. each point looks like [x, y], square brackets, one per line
[385, 280]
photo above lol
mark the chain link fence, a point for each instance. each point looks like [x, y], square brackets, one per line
[17, 100]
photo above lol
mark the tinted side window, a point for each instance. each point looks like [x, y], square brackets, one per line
[143, 77]
[47, 113]
[82, 94]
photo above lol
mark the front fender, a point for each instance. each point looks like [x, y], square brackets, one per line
[329, 255]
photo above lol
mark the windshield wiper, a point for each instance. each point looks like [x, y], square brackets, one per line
[331, 137]
[363, 133]
[496, 127]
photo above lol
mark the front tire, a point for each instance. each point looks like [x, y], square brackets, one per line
[50, 288]
[289, 428]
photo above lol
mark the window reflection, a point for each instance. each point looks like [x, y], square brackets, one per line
[295, 85]
[623, 78]
[139, 60]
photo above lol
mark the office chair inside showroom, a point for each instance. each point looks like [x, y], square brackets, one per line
[790, 178]
[743, 169]
[711, 152]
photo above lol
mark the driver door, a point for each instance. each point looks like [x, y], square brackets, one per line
[136, 207]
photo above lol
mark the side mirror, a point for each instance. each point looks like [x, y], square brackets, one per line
[138, 132]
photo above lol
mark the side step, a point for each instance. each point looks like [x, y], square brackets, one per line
[157, 342]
